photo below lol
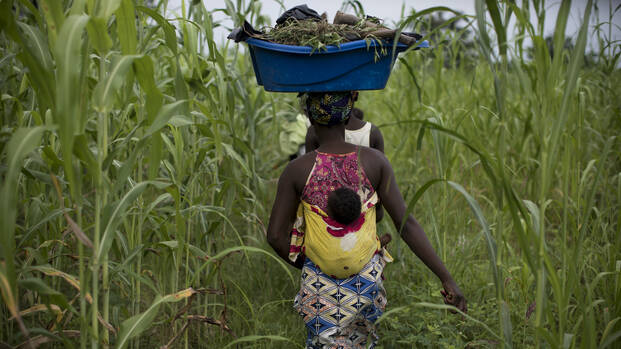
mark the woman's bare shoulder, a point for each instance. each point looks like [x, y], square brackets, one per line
[373, 162]
[372, 154]
[297, 170]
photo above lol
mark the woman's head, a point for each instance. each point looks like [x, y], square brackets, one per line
[344, 205]
[327, 108]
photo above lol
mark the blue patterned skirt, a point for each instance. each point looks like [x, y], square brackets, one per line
[341, 313]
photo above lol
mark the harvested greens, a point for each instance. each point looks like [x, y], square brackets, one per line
[316, 34]
[301, 26]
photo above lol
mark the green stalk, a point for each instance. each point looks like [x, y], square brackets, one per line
[500, 294]
[505, 317]
[137, 235]
[105, 277]
[565, 183]
[189, 226]
[187, 248]
[83, 324]
[444, 222]
[139, 265]
[101, 196]
[191, 195]
[97, 235]
[540, 273]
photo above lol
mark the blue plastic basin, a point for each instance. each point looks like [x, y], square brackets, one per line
[349, 66]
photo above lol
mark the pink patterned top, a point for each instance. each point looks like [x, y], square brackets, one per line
[332, 171]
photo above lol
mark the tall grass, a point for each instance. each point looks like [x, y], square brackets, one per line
[139, 165]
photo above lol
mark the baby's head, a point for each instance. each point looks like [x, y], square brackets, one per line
[344, 205]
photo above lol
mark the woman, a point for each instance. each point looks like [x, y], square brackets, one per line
[357, 131]
[339, 308]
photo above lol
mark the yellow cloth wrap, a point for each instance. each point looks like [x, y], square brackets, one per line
[297, 234]
[342, 256]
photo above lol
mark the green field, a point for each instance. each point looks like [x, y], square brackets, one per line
[139, 159]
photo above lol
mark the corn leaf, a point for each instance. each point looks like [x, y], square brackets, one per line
[255, 338]
[42, 80]
[164, 115]
[559, 37]
[103, 95]
[47, 270]
[97, 29]
[105, 8]
[69, 69]
[492, 250]
[169, 30]
[136, 324]
[23, 142]
[39, 307]
[8, 295]
[143, 67]
[119, 212]
[126, 27]
[571, 81]
[230, 250]
[501, 32]
[83, 152]
[37, 44]
[54, 16]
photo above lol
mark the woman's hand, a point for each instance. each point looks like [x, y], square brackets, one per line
[453, 296]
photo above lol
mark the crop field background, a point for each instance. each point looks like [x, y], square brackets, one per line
[139, 162]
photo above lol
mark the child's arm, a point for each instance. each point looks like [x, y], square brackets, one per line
[376, 140]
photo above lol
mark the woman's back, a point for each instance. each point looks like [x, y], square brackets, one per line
[339, 250]
[369, 161]
[333, 171]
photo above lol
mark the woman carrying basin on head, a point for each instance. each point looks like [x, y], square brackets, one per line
[357, 132]
[341, 294]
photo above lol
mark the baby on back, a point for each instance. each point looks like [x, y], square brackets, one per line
[344, 207]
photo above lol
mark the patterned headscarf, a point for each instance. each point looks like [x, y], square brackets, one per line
[328, 108]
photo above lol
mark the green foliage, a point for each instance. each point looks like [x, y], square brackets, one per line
[138, 323]
[316, 34]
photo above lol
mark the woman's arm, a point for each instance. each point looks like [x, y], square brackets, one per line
[283, 215]
[376, 141]
[414, 236]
